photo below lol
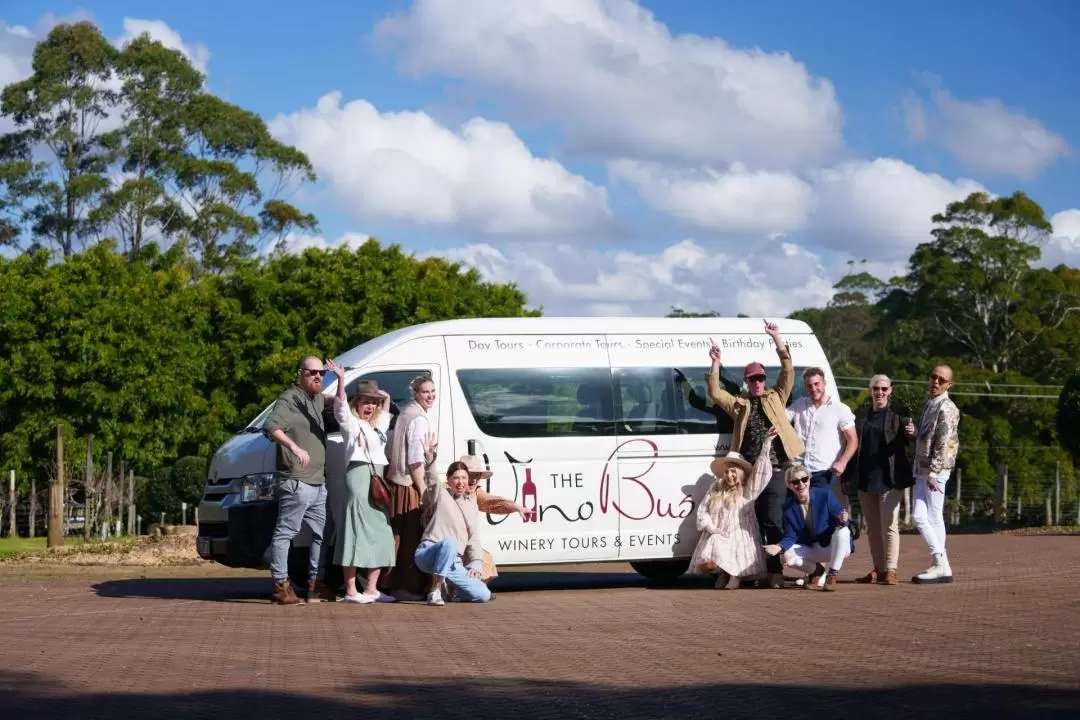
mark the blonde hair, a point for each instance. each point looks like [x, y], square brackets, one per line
[356, 400]
[878, 378]
[720, 492]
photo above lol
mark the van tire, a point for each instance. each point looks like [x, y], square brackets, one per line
[661, 570]
[298, 569]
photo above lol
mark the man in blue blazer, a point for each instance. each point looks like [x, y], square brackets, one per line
[815, 530]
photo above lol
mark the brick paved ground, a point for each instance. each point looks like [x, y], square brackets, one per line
[1002, 641]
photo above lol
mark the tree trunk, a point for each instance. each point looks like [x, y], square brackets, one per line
[33, 507]
[131, 503]
[88, 484]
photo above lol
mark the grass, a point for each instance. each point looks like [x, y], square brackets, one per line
[21, 545]
[16, 546]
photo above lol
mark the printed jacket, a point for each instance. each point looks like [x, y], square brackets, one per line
[937, 447]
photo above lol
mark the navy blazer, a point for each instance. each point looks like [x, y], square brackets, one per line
[825, 510]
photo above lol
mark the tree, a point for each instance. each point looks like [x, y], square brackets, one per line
[966, 288]
[175, 164]
[845, 325]
[1068, 417]
[157, 83]
[59, 107]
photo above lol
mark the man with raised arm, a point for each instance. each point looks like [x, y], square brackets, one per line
[754, 412]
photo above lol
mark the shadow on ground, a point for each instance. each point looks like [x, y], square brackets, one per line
[251, 589]
[28, 695]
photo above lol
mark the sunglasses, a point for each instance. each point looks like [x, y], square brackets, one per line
[756, 378]
[934, 377]
[880, 389]
[309, 372]
[800, 481]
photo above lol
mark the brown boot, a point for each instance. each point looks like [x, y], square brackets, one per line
[317, 591]
[889, 578]
[283, 594]
[830, 583]
[869, 578]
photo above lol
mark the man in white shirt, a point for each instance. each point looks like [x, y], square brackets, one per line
[826, 427]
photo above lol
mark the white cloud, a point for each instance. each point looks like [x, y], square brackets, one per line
[735, 200]
[1064, 243]
[481, 179]
[986, 136]
[620, 84]
[297, 243]
[880, 209]
[197, 53]
[775, 279]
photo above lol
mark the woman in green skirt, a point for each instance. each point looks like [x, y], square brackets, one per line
[363, 538]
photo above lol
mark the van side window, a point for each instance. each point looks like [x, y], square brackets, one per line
[694, 410]
[645, 401]
[530, 402]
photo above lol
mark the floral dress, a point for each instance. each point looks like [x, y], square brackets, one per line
[730, 538]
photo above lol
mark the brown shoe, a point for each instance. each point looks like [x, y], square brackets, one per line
[830, 583]
[869, 578]
[889, 578]
[318, 592]
[815, 576]
[283, 594]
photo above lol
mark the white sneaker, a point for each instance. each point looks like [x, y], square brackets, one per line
[435, 598]
[939, 572]
[360, 599]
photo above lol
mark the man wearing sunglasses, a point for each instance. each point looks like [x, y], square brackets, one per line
[815, 531]
[754, 413]
[936, 447]
[295, 424]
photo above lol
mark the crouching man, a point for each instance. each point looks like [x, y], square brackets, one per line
[815, 531]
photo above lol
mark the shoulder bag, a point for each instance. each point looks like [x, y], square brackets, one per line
[379, 493]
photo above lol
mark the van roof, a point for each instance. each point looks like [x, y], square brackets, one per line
[570, 326]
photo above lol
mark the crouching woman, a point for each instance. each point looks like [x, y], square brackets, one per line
[730, 541]
[450, 549]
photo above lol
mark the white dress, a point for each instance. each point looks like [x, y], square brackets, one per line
[730, 538]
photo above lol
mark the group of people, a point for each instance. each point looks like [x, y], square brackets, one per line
[421, 541]
[782, 493]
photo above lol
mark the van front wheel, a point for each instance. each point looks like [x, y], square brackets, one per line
[661, 570]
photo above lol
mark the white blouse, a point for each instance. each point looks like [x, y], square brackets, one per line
[352, 427]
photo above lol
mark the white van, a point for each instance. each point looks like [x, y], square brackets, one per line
[582, 420]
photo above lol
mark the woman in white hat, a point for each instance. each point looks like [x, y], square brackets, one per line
[730, 541]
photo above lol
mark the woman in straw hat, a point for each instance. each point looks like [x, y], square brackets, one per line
[363, 537]
[730, 541]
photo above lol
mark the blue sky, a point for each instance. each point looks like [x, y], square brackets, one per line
[603, 215]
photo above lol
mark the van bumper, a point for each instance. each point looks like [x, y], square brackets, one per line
[242, 539]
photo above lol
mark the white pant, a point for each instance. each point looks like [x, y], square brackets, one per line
[928, 513]
[806, 557]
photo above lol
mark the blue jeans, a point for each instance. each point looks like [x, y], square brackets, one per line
[298, 503]
[441, 558]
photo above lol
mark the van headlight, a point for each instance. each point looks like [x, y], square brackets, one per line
[257, 487]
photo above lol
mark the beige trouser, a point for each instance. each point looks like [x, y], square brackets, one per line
[882, 514]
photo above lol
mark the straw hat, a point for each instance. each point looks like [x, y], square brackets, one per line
[475, 468]
[720, 464]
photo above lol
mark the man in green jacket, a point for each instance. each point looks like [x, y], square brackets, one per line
[753, 413]
[296, 425]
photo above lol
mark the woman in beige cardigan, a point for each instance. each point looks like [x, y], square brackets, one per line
[450, 549]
